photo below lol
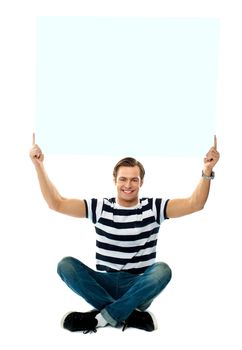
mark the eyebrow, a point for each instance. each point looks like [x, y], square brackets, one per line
[131, 178]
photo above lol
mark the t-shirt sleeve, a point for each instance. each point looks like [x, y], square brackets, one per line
[93, 209]
[159, 208]
[163, 209]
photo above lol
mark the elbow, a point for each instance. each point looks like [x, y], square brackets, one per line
[54, 205]
[197, 204]
[199, 207]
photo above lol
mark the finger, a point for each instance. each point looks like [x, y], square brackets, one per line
[33, 139]
[215, 142]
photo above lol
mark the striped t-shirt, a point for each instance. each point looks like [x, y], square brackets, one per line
[126, 237]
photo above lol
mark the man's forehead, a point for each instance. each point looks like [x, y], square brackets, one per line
[127, 171]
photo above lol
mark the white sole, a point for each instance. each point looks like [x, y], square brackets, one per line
[64, 317]
[154, 320]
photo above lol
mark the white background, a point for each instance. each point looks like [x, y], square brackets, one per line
[201, 308]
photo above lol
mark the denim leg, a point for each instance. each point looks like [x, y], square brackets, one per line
[116, 294]
[141, 290]
[95, 287]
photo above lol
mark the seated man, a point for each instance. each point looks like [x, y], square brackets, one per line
[127, 277]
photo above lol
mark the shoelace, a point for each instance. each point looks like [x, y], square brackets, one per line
[94, 330]
[124, 326]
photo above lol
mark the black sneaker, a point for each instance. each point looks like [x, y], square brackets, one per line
[141, 319]
[80, 321]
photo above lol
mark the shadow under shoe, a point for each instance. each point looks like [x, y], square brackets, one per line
[142, 320]
[80, 321]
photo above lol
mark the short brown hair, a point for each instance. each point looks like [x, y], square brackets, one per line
[130, 162]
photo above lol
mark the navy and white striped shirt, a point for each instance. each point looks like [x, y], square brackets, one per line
[126, 237]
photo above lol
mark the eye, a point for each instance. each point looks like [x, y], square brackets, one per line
[122, 179]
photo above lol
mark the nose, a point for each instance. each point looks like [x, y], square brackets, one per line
[127, 184]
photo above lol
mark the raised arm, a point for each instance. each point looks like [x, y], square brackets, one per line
[72, 207]
[184, 206]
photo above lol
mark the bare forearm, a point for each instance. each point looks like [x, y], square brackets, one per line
[184, 206]
[200, 194]
[49, 192]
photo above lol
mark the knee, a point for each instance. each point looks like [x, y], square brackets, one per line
[163, 272]
[65, 265]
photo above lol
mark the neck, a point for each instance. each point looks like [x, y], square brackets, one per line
[127, 204]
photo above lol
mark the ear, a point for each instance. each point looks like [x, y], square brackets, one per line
[141, 183]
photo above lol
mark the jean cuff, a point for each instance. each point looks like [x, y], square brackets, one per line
[108, 318]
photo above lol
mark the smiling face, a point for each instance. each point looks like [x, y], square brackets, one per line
[128, 183]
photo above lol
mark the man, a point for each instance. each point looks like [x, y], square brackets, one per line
[127, 278]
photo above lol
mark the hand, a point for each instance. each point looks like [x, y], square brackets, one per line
[211, 158]
[35, 153]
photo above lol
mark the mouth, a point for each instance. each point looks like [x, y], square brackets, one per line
[128, 192]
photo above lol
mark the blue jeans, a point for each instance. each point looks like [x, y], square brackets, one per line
[114, 294]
